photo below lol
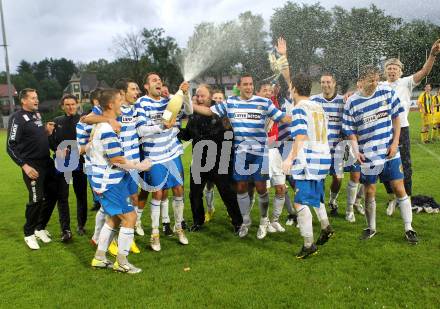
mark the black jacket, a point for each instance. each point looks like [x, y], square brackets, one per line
[65, 129]
[211, 128]
[27, 140]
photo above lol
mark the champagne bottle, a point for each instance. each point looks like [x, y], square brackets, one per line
[174, 107]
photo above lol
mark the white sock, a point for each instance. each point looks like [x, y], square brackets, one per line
[278, 204]
[99, 222]
[155, 215]
[288, 204]
[105, 237]
[139, 212]
[244, 204]
[164, 211]
[251, 199]
[305, 224]
[370, 214]
[125, 238]
[360, 194]
[178, 210]
[263, 203]
[333, 197]
[351, 195]
[321, 213]
[209, 197]
[405, 211]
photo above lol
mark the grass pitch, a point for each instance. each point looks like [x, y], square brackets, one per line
[225, 271]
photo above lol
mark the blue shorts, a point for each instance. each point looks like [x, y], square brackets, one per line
[249, 166]
[132, 186]
[355, 168]
[392, 170]
[114, 201]
[165, 175]
[309, 192]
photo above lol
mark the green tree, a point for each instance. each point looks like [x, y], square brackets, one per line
[62, 70]
[254, 46]
[358, 37]
[162, 54]
[306, 30]
[413, 44]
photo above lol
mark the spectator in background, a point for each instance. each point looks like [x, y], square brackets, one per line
[65, 130]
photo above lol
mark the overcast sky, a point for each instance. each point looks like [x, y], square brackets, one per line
[84, 30]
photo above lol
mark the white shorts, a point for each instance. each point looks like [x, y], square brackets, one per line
[276, 175]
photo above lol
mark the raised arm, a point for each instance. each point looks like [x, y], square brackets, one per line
[282, 50]
[427, 67]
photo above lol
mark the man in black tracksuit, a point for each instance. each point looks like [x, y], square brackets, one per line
[28, 147]
[65, 130]
[202, 128]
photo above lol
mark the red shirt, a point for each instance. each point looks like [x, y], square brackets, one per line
[273, 133]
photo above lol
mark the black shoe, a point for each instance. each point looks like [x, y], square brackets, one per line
[195, 228]
[292, 219]
[183, 224]
[237, 229]
[411, 237]
[81, 231]
[367, 234]
[306, 252]
[333, 210]
[166, 228]
[325, 235]
[96, 206]
[66, 236]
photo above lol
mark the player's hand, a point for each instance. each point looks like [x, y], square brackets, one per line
[62, 153]
[50, 126]
[30, 171]
[281, 46]
[392, 150]
[287, 166]
[435, 49]
[145, 165]
[184, 87]
[116, 126]
[169, 124]
[287, 119]
[360, 157]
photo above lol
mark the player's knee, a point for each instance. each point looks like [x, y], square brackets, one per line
[242, 187]
[355, 177]
[398, 188]
[280, 190]
[370, 191]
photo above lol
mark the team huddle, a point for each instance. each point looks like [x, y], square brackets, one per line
[241, 144]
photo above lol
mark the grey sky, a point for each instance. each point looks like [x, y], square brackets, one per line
[83, 30]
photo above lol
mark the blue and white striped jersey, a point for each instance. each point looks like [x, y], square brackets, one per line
[105, 144]
[128, 135]
[314, 158]
[284, 128]
[334, 110]
[370, 119]
[247, 118]
[97, 110]
[158, 145]
[82, 139]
